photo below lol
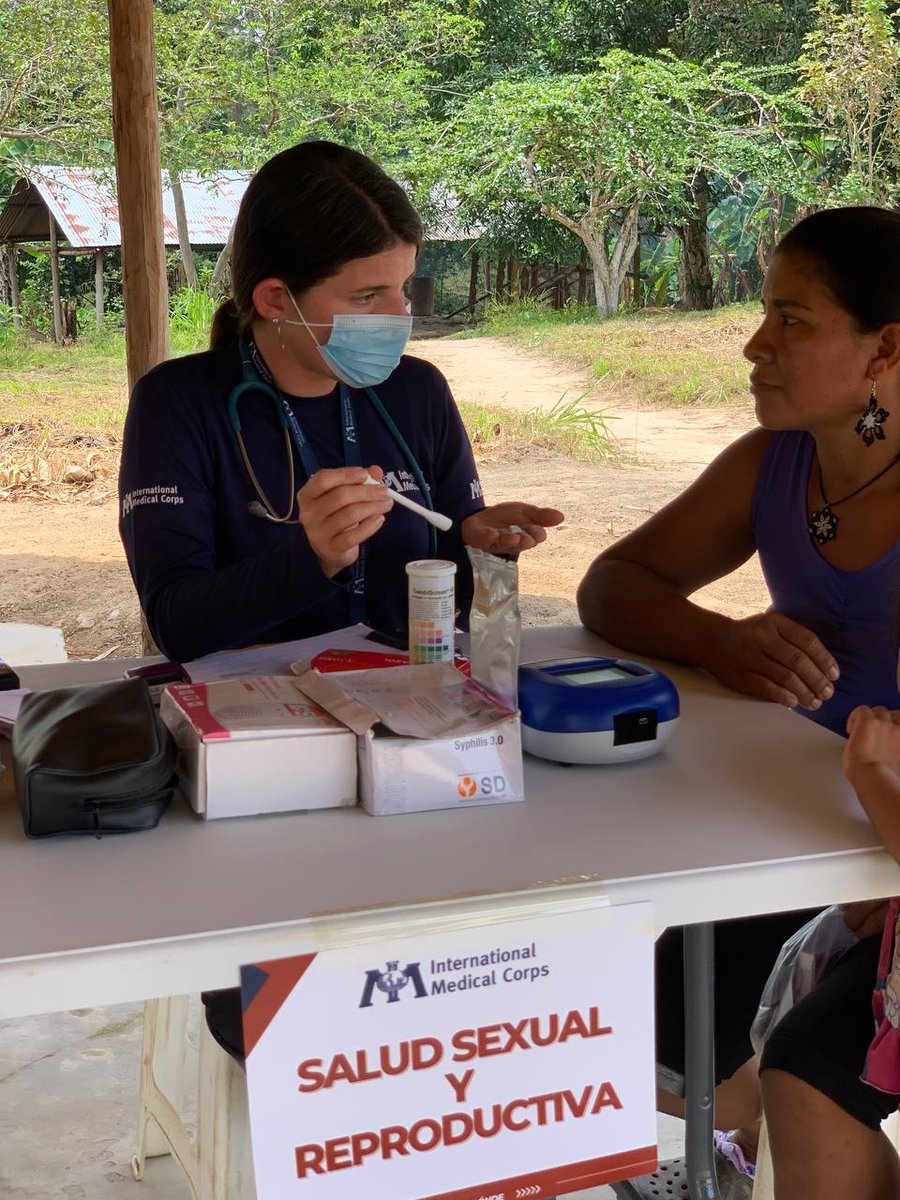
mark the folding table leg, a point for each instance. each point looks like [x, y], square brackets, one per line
[163, 1063]
[699, 1054]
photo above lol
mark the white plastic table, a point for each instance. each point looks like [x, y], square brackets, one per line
[745, 812]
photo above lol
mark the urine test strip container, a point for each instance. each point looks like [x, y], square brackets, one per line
[432, 610]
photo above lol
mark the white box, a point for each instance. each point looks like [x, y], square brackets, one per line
[257, 745]
[477, 760]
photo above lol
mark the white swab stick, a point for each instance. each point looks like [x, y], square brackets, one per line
[433, 518]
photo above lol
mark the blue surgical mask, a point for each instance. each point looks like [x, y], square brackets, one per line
[363, 349]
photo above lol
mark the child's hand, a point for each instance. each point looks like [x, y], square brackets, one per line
[873, 739]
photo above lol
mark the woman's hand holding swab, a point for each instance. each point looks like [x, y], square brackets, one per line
[433, 518]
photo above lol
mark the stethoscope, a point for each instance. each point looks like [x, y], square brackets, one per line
[255, 377]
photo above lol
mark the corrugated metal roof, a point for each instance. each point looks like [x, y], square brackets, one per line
[83, 202]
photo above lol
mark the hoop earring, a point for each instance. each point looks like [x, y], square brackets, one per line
[869, 424]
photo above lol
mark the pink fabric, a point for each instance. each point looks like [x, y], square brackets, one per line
[882, 1069]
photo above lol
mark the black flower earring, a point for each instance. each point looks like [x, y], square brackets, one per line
[869, 424]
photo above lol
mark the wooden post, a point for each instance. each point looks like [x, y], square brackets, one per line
[500, 285]
[473, 280]
[132, 61]
[54, 280]
[98, 287]
[514, 279]
[14, 283]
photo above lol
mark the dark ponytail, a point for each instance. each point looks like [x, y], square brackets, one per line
[226, 324]
[305, 213]
[856, 253]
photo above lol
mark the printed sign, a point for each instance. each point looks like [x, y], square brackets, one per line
[496, 1062]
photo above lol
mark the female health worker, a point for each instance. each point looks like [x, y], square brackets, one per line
[244, 512]
[305, 383]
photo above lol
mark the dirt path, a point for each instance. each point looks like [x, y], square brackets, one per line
[491, 372]
[62, 564]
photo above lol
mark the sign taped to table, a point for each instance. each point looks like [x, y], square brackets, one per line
[494, 1062]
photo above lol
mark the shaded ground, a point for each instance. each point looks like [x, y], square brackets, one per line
[61, 562]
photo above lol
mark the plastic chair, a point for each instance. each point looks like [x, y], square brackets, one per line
[217, 1159]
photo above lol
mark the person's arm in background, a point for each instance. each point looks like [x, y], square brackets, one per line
[872, 765]
[635, 594]
[170, 488]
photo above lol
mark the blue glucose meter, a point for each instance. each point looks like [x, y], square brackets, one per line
[595, 710]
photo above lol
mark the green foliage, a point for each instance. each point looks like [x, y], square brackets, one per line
[54, 81]
[591, 151]
[752, 32]
[191, 312]
[850, 70]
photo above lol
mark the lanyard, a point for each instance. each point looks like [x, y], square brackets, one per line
[310, 464]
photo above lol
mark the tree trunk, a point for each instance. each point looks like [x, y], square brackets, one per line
[55, 285]
[500, 282]
[514, 279]
[220, 283]
[473, 280]
[636, 295]
[582, 277]
[610, 270]
[695, 277]
[6, 268]
[184, 241]
[14, 283]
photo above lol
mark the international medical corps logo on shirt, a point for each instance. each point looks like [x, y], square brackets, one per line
[159, 493]
[391, 982]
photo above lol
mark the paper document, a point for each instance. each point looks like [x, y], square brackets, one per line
[275, 659]
[429, 701]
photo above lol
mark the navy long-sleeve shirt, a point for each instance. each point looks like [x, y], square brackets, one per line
[209, 574]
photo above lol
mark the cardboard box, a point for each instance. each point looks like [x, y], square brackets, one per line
[256, 745]
[403, 767]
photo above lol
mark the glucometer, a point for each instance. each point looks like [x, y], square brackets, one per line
[595, 710]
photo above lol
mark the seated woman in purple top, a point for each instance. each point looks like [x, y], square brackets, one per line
[816, 491]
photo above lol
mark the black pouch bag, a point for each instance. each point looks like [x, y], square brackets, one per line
[92, 759]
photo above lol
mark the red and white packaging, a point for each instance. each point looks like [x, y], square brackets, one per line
[258, 745]
[331, 662]
[427, 737]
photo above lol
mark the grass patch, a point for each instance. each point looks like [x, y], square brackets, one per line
[661, 358]
[567, 428]
[62, 410]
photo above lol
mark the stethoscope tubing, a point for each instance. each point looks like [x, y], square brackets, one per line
[252, 382]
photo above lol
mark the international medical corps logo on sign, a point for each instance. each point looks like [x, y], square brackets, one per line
[391, 982]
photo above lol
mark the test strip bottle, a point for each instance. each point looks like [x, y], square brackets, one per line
[432, 610]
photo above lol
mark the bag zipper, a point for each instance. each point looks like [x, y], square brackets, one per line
[96, 807]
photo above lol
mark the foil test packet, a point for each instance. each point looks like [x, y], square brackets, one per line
[495, 626]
